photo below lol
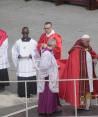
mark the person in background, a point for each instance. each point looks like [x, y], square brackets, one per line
[4, 64]
[23, 53]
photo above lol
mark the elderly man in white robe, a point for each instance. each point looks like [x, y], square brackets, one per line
[48, 90]
[23, 55]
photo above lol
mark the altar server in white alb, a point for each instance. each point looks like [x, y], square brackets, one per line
[23, 53]
[48, 91]
[4, 64]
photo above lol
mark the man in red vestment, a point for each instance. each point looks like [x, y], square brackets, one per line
[46, 36]
[80, 66]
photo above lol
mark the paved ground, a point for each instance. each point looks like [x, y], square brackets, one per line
[69, 20]
[67, 112]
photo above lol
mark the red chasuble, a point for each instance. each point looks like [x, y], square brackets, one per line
[57, 50]
[3, 36]
[76, 68]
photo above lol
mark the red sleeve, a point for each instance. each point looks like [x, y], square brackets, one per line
[94, 54]
[62, 75]
[58, 49]
[72, 71]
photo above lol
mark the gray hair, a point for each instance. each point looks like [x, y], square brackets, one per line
[51, 42]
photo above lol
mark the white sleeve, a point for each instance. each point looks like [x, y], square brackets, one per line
[35, 64]
[45, 62]
[4, 53]
[5, 43]
[15, 54]
[5, 47]
[34, 48]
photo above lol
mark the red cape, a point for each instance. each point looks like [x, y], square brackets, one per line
[44, 39]
[73, 70]
[3, 36]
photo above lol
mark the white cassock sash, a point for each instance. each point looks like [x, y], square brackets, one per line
[89, 70]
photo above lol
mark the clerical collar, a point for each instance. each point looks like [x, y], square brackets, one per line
[52, 32]
[26, 39]
[46, 49]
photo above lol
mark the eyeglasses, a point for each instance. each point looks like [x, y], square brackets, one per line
[47, 28]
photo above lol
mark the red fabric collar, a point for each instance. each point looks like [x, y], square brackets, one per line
[3, 36]
[78, 44]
